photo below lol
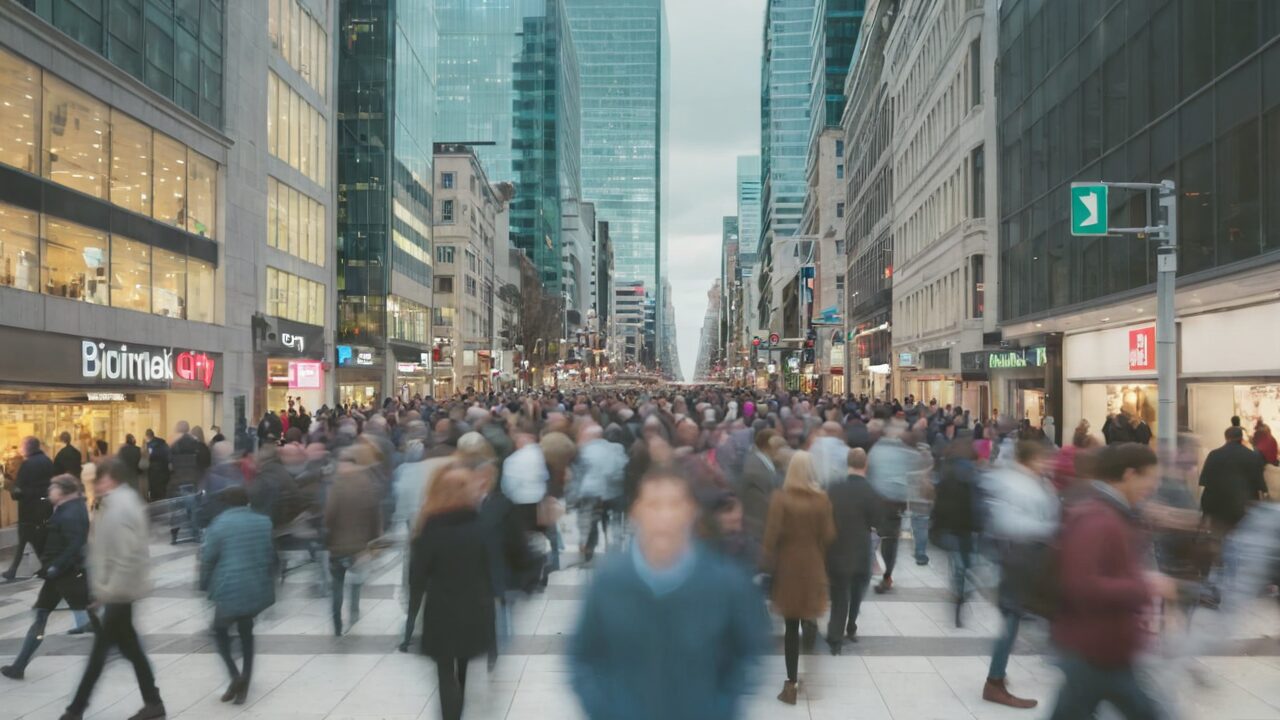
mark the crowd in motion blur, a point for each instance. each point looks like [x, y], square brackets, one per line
[698, 510]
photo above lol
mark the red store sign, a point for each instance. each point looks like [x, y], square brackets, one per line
[1142, 349]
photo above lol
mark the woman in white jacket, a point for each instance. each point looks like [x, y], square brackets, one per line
[1022, 513]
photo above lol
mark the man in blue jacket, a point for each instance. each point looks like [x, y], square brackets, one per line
[668, 629]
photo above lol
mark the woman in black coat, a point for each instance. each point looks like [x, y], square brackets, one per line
[451, 557]
[955, 520]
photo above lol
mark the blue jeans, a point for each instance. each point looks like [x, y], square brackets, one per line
[1004, 646]
[920, 534]
[1086, 686]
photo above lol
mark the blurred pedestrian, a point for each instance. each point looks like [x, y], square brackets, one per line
[156, 461]
[892, 464]
[237, 571]
[451, 556]
[1023, 513]
[1104, 589]
[759, 479]
[61, 566]
[118, 565]
[956, 520]
[30, 491]
[353, 519]
[855, 508]
[668, 629]
[131, 456]
[797, 533]
[68, 461]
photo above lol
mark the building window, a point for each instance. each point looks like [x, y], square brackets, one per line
[19, 113]
[295, 223]
[840, 171]
[977, 271]
[19, 248]
[839, 210]
[295, 298]
[296, 137]
[472, 262]
[130, 274]
[446, 212]
[978, 189]
[840, 284]
[200, 291]
[471, 286]
[446, 180]
[301, 40]
[202, 179]
[975, 72]
[75, 138]
[445, 254]
[444, 284]
[840, 148]
[130, 163]
[169, 277]
[170, 175]
[74, 262]
[442, 316]
[408, 320]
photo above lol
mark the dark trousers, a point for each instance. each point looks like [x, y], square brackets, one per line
[847, 592]
[116, 632]
[338, 567]
[1086, 686]
[72, 588]
[791, 647]
[222, 638]
[889, 549]
[453, 684]
[28, 534]
[416, 593]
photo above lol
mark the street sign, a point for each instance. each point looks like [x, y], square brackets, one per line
[1088, 209]
[773, 339]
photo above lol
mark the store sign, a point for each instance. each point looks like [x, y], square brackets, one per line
[117, 363]
[404, 367]
[1015, 359]
[1142, 349]
[278, 336]
[294, 342]
[906, 359]
[306, 375]
[105, 397]
[349, 355]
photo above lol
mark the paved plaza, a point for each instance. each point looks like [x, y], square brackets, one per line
[911, 663]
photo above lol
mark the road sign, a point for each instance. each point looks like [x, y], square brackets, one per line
[755, 342]
[1088, 209]
[773, 338]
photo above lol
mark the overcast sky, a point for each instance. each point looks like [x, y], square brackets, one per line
[715, 117]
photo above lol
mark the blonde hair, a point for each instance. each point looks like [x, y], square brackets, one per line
[451, 489]
[800, 473]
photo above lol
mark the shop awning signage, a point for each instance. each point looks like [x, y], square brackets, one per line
[1013, 359]
[44, 358]
[1142, 345]
[306, 375]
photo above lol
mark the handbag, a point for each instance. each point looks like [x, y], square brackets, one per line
[550, 509]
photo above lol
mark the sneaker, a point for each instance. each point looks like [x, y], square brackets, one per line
[150, 711]
[11, 672]
[922, 561]
[789, 692]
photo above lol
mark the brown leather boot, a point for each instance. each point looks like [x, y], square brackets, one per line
[995, 691]
[788, 694]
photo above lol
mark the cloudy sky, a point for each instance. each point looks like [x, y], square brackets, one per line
[715, 117]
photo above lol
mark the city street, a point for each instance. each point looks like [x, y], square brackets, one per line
[911, 662]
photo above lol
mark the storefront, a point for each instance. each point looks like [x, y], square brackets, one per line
[359, 371]
[97, 389]
[412, 372]
[290, 365]
[1016, 382]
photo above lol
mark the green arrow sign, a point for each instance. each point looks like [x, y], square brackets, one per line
[1088, 209]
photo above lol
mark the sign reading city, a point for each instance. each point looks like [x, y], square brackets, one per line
[1089, 209]
[1142, 349]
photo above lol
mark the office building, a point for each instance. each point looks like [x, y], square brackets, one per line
[1179, 91]
[386, 107]
[622, 51]
[546, 148]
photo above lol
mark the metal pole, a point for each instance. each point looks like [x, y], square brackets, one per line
[1166, 325]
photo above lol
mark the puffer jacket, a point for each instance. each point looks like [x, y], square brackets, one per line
[237, 562]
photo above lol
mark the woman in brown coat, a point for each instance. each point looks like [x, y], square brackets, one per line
[797, 532]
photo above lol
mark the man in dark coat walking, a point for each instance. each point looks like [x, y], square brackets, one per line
[1232, 479]
[759, 479]
[855, 507]
[31, 491]
[68, 461]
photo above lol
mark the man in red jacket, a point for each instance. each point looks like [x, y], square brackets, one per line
[1105, 591]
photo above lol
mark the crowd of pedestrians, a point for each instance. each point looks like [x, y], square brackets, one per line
[690, 506]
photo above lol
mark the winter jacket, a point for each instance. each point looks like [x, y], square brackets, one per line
[1020, 506]
[797, 533]
[956, 509]
[353, 511]
[119, 556]
[685, 654]
[158, 469]
[68, 531]
[31, 489]
[68, 461]
[855, 508]
[1232, 478]
[130, 456]
[1103, 588]
[237, 563]
[755, 488]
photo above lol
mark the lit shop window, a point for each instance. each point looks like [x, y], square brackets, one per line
[130, 163]
[295, 131]
[19, 113]
[295, 298]
[130, 274]
[75, 138]
[74, 262]
[19, 248]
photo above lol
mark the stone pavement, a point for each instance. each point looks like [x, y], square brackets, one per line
[911, 663]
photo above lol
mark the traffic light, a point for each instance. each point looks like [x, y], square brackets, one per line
[755, 341]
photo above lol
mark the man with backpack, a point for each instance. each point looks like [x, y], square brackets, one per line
[1103, 589]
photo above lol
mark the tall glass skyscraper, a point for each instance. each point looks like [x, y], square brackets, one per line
[480, 44]
[386, 117]
[546, 150]
[748, 209]
[784, 114]
[622, 52]
[835, 32]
